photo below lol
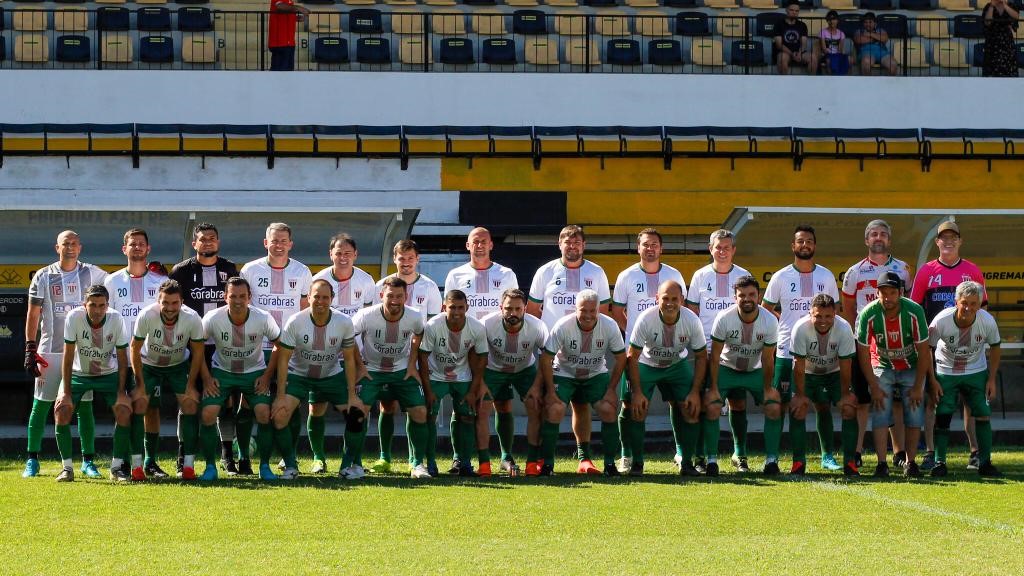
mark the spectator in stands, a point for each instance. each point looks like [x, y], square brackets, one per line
[831, 46]
[283, 17]
[873, 45]
[791, 42]
[1000, 27]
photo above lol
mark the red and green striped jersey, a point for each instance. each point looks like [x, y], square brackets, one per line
[893, 341]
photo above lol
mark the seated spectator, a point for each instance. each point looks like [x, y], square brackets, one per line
[873, 46]
[791, 42]
[831, 46]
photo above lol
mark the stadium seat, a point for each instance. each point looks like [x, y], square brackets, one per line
[153, 19]
[876, 5]
[529, 22]
[681, 3]
[838, 5]
[73, 48]
[692, 24]
[414, 51]
[198, 49]
[706, 52]
[956, 5]
[968, 26]
[448, 24]
[577, 53]
[193, 1]
[641, 3]
[570, 23]
[499, 51]
[849, 24]
[915, 4]
[407, 22]
[949, 54]
[110, 1]
[651, 23]
[31, 48]
[359, 2]
[324, 23]
[731, 26]
[330, 50]
[916, 53]
[1020, 55]
[600, 3]
[541, 51]
[747, 53]
[28, 20]
[760, 4]
[70, 20]
[151, 1]
[610, 23]
[156, 49]
[373, 51]
[112, 19]
[765, 24]
[562, 3]
[400, 2]
[518, 3]
[116, 48]
[623, 52]
[664, 52]
[456, 51]
[978, 55]
[479, 2]
[439, 2]
[365, 21]
[488, 24]
[721, 4]
[194, 19]
[932, 27]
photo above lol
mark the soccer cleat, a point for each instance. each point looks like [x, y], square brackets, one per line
[66, 475]
[637, 469]
[432, 468]
[281, 465]
[419, 472]
[188, 473]
[119, 475]
[911, 469]
[229, 466]
[587, 467]
[899, 459]
[882, 470]
[973, 463]
[740, 463]
[711, 469]
[828, 462]
[138, 474]
[986, 469]
[798, 469]
[678, 460]
[245, 467]
[611, 470]
[928, 462]
[510, 467]
[319, 467]
[547, 469]
[533, 468]
[179, 465]
[456, 466]
[467, 472]
[31, 468]
[353, 472]
[89, 470]
[858, 460]
[210, 474]
[153, 469]
[851, 470]
[624, 464]
[484, 470]
[771, 469]
[290, 474]
[266, 473]
[939, 470]
[381, 466]
[687, 469]
[701, 465]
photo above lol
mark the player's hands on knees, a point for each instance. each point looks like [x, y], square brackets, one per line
[363, 373]
[878, 397]
[471, 400]
[123, 400]
[211, 388]
[772, 394]
[916, 396]
[798, 406]
[277, 406]
[262, 385]
[357, 404]
[611, 398]
[63, 402]
[638, 406]
[691, 404]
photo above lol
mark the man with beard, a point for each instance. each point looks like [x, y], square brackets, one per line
[788, 295]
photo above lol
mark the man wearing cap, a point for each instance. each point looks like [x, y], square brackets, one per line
[873, 46]
[935, 288]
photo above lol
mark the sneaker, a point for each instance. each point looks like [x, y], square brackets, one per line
[468, 472]
[899, 459]
[547, 469]
[138, 474]
[266, 473]
[228, 466]
[456, 466]
[533, 468]
[939, 470]
[290, 474]
[179, 466]
[353, 472]
[701, 466]
[678, 460]
[637, 469]
[420, 472]
[611, 470]
[986, 469]
[510, 467]
[911, 470]
[624, 464]
[245, 467]
[119, 475]
[89, 470]
[484, 470]
[66, 475]
[711, 469]
[740, 463]
[771, 469]
[687, 469]
[851, 470]
[828, 462]
[928, 462]
[31, 468]
[882, 470]
[281, 464]
[319, 467]
[973, 463]
[153, 470]
[587, 467]
[210, 474]
[858, 460]
[432, 468]
[798, 469]
[187, 473]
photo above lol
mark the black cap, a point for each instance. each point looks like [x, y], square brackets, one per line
[890, 279]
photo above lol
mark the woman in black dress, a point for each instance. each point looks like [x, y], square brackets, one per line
[1000, 52]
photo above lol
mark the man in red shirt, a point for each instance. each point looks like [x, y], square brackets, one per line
[283, 17]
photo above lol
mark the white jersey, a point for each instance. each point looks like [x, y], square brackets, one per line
[279, 291]
[386, 345]
[449, 351]
[822, 352]
[793, 291]
[423, 296]
[636, 290]
[712, 292]
[580, 354]
[555, 287]
[666, 344]
[861, 280]
[483, 288]
[130, 294]
[350, 295]
[59, 292]
[317, 351]
[167, 344]
[239, 348]
[962, 350]
[513, 352]
[95, 346]
[744, 341]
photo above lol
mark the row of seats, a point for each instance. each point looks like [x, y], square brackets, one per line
[115, 48]
[110, 18]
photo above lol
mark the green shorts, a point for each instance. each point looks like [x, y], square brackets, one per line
[159, 377]
[972, 386]
[333, 389]
[674, 382]
[732, 382]
[782, 380]
[243, 383]
[823, 388]
[589, 391]
[501, 384]
[105, 386]
[457, 390]
[389, 386]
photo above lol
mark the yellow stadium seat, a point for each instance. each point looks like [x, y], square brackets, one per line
[521, 3]
[28, 20]
[439, 2]
[612, 23]
[933, 28]
[917, 55]
[760, 4]
[642, 3]
[576, 52]
[949, 54]
[110, 1]
[411, 51]
[838, 5]
[400, 2]
[31, 48]
[407, 22]
[706, 52]
[359, 2]
[70, 20]
[151, 1]
[116, 48]
[731, 27]
[324, 22]
[652, 23]
[541, 51]
[561, 3]
[570, 23]
[720, 4]
[199, 49]
[957, 5]
[488, 24]
[448, 24]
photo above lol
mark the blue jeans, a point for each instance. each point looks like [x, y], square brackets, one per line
[890, 380]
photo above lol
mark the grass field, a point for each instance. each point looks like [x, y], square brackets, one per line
[734, 524]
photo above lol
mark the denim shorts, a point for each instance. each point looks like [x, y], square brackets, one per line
[890, 381]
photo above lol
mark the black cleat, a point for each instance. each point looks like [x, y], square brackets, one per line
[911, 470]
[939, 470]
[851, 470]
[798, 469]
[882, 470]
[928, 462]
[547, 469]
[119, 475]
[711, 469]
[771, 469]
[986, 469]
[899, 459]
[701, 466]
[974, 463]
[153, 470]
[467, 472]
[611, 470]
[456, 466]
[245, 468]
[228, 465]
[740, 463]
[687, 469]
[858, 460]
[637, 469]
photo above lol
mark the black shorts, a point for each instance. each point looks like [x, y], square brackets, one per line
[860, 383]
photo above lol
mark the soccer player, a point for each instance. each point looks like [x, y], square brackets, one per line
[574, 369]
[483, 281]
[452, 355]
[94, 360]
[514, 339]
[660, 346]
[424, 297]
[203, 278]
[711, 292]
[280, 285]
[308, 353]
[892, 348]
[390, 335]
[131, 289]
[791, 290]
[553, 296]
[743, 340]
[823, 352]
[238, 331]
[959, 336]
[354, 290]
[858, 291]
[55, 291]
[933, 289]
[168, 350]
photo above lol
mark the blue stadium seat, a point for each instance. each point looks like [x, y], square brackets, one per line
[849, 23]
[665, 52]
[479, 2]
[153, 19]
[499, 51]
[600, 3]
[747, 53]
[692, 24]
[365, 21]
[765, 23]
[373, 51]
[193, 1]
[894, 24]
[968, 26]
[623, 52]
[73, 48]
[111, 18]
[1020, 55]
[529, 22]
[318, 2]
[3, 48]
[156, 49]
[456, 51]
[876, 5]
[915, 5]
[978, 55]
[194, 19]
[681, 3]
[330, 50]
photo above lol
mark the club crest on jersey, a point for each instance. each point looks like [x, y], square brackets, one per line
[252, 337]
[358, 293]
[152, 292]
[223, 276]
[589, 282]
[526, 345]
[497, 283]
[893, 335]
[821, 287]
[600, 343]
[978, 337]
[833, 345]
[419, 299]
[110, 337]
[334, 340]
[405, 334]
[760, 336]
[72, 289]
[292, 283]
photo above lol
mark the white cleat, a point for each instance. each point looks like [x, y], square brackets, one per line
[354, 472]
[289, 474]
[420, 471]
[678, 459]
[624, 464]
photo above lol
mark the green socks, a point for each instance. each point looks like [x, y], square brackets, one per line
[638, 430]
[152, 445]
[467, 435]
[430, 445]
[37, 424]
[385, 432]
[265, 441]
[625, 433]
[712, 431]
[87, 427]
[137, 435]
[738, 424]
[417, 440]
[583, 450]
[243, 431]
[189, 430]
[295, 429]
[826, 434]
[549, 439]
[772, 438]
[63, 433]
[505, 425]
[797, 437]
[316, 427]
[456, 432]
[610, 441]
[286, 445]
[532, 452]
[123, 440]
[983, 430]
[208, 436]
[675, 418]
[690, 433]
[850, 431]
